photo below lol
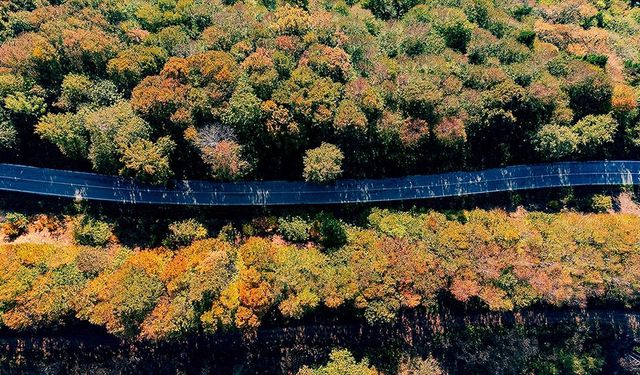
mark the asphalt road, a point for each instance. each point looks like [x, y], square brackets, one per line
[90, 186]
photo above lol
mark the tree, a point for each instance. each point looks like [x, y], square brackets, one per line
[310, 98]
[67, 131]
[121, 299]
[75, 91]
[195, 278]
[331, 231]
[299, 277]
[349, 118]
[295, 229]
[453, 26]
[157, 98]
[386, 9]
[261, 71]
[590, 91]
[112, 130]
[503, 118]
[79, 90]
[556, 142]
[595, 134]
[601, 203]
[341, 362]
[419, 366]
[31, 55]
[147, 161]
[89, 50]
[623, 99]
[225, 160]
[243, 112]
[92, 232]
[418, 96]
[8, 133]
[134, 63]
[26, 104]
[44, 289]
[183, 233]
[172, 39]
[323, 164]
[329, 62]
[14, 224]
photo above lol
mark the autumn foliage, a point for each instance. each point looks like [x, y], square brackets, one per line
[235, 90]
[488, 259]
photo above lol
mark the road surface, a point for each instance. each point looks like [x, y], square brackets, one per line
[90, 186]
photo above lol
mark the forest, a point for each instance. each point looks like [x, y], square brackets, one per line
[536, 282]
[307, 271]
[226, 90]
[400, 260]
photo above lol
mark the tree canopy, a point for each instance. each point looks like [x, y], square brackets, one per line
[229, 90]
[398, 260]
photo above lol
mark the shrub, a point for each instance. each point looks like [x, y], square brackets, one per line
[601, 203]
[14, 224]
[331, 231]
[183, 233]
[8, 134]
[92, 232]
[323, 164]
[295, 229]
[596, 59]
[526, 37]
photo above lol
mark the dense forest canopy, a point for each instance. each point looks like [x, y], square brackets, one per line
[399, 260]
[157, 89]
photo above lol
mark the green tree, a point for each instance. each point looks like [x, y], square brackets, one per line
[323, 164]
[75, 91]
[148, 161]
[595, 134]
[590, 91]
[111, 131]
[331, 231]
[341, 362]
[25, 104]
[295, 229]
[92, 232]
[556, 142]
[134, 63]
[8, 133]
[243, 112]
[67, 131]
[386, 9]
[453, 26]
[78, 90]
[183, 233]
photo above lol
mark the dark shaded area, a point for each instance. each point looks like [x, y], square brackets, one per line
[464, 343]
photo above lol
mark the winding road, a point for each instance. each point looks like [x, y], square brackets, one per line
[90, 186]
